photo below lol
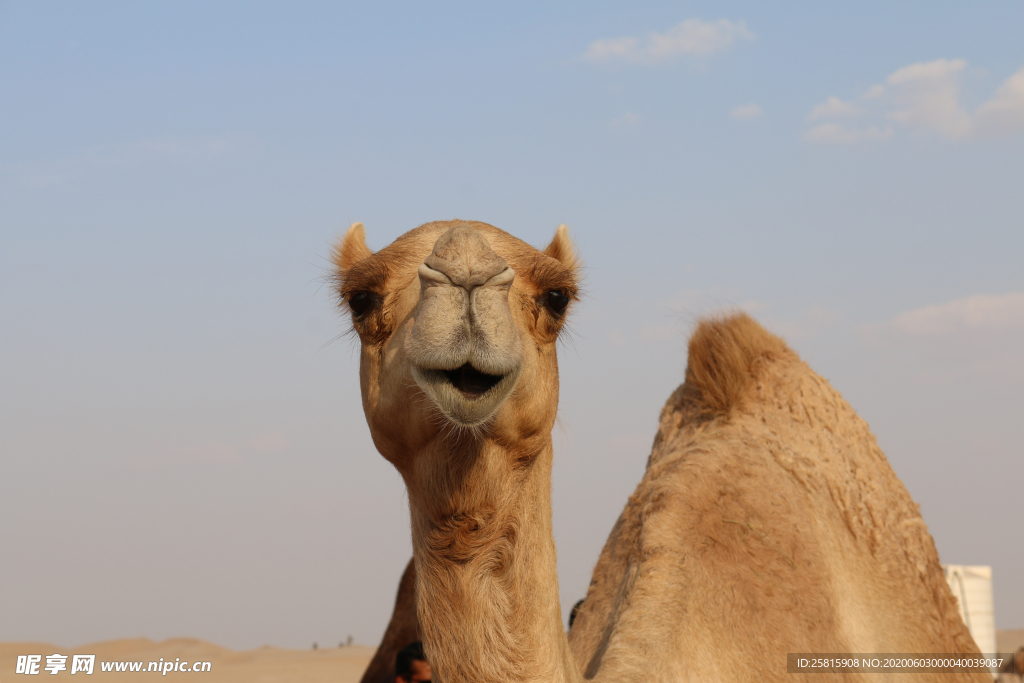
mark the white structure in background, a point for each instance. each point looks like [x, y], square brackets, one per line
[972, 588]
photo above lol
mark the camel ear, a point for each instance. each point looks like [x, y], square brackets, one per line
[352, 249]
[562, 249]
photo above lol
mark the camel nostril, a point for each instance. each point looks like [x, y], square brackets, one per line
[465, 258]
[470, 381]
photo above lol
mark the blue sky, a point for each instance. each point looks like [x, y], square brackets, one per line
[183, 445]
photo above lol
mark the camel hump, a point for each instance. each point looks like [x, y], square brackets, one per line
[726, 356]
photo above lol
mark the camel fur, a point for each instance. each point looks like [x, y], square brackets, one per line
[768, 520]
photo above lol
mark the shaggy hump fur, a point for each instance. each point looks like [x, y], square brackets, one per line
[726, 355]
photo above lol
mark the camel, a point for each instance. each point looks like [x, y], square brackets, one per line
[768, 520]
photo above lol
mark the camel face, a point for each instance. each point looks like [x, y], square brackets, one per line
[454, 318]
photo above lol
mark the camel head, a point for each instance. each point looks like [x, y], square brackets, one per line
[458, 323]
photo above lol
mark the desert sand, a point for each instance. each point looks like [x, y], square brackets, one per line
[265, 664]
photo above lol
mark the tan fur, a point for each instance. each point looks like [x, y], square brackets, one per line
[479, 497]
[724, 359]
[562, 249]
[352, 249]
[768, 520]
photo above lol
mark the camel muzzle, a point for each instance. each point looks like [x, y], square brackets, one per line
[464, 345]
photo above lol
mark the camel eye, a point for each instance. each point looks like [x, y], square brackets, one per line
[556, 300]
[361, 302]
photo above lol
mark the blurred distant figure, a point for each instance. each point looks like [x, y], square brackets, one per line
[411, 665]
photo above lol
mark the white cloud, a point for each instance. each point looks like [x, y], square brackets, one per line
[924, 96]
[928, 95]
[979, 313]
[1004, 113]
[627, 119]
[840, 134]
[692, 37]
[746, 111]
[974, 337]
[612, 48]
[834, 107]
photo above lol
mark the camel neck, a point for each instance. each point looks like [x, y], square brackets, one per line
[487, 583]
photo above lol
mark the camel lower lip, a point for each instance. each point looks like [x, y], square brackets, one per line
[465, 395]
[470, 382]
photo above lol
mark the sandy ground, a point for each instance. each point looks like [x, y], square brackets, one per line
[337, 665]
[266, 664]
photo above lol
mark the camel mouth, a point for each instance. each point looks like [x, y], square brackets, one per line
[470, 382]
[466, 395]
